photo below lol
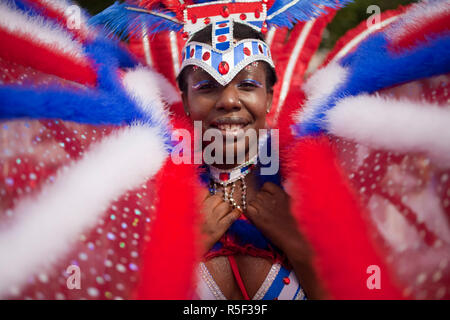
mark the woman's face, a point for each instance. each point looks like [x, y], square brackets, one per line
[240, 105]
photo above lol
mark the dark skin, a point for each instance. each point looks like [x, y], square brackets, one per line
[248, 98]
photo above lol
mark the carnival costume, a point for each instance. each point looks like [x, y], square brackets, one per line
[87, 179]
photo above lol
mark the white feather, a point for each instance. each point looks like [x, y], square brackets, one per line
[319, 87]
[48, 222]
[150, 90]
[396, 125]
[417, 16]
[36, 29]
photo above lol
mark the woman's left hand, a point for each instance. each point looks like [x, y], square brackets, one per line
[270, 212]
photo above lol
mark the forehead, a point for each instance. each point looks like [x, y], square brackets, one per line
[255, 70]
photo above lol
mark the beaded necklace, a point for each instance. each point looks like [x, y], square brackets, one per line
[222, 179]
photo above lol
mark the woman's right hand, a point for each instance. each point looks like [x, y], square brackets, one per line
[218, 216]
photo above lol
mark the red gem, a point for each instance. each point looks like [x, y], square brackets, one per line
[265, 1]
[257, 13]
[185, 35]
[247, 51]
[264, 28]
[260, 48]
[222, 38]
[222, 25]
[192, 52]
[225, 11]
[286, 280]
[224, 176]
[194, 18]
[224, 67]
[207, 20]
[206, 56]
[243, 16]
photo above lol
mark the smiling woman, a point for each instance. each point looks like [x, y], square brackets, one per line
[238, 110]
[359, 209]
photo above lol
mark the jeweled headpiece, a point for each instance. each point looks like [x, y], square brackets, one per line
[225, 57]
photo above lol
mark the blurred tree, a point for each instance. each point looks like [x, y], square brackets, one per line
[347, 18]
[352, 15]
[95, 6]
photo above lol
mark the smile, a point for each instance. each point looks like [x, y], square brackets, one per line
[230, 124]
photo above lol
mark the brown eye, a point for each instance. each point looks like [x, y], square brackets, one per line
[204, 85]
[250, 84]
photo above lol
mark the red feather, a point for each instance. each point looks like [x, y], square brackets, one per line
[332, 220]
[170, 257]
[46, 59]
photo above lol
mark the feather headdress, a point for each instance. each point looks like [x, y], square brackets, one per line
[225, 57]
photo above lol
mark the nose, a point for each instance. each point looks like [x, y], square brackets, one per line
[229, 99]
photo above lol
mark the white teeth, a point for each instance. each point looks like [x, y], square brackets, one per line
[230, 127]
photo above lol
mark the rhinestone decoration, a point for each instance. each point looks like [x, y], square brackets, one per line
[223, 67]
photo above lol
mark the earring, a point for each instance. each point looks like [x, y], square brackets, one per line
[268, 110]
[188, 113]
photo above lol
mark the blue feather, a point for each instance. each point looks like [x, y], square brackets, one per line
[284, 13]
[107, 104]
[119, 21]
[373, 67]
[87, 106]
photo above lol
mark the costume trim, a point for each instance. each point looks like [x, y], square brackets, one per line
[211, 284]
[273, 272]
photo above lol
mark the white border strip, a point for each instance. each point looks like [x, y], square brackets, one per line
[286, 84]
[174, 50]
[360, 37]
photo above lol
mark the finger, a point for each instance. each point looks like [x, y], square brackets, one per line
[252, 209]
[262, 197]
[213, 201]
[231, 217]
[203, 194]
[221, 210]
[271, 188]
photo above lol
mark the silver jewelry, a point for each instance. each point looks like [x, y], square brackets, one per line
[226, 181]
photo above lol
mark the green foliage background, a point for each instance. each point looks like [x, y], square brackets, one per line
[345, 19]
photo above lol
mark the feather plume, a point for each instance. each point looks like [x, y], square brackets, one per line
[285, 13]
[124, 20]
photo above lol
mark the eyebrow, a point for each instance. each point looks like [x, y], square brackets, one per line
[256, 83]
[198, 84]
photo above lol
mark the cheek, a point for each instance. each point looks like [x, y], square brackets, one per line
[199, 107]
[257, 105]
